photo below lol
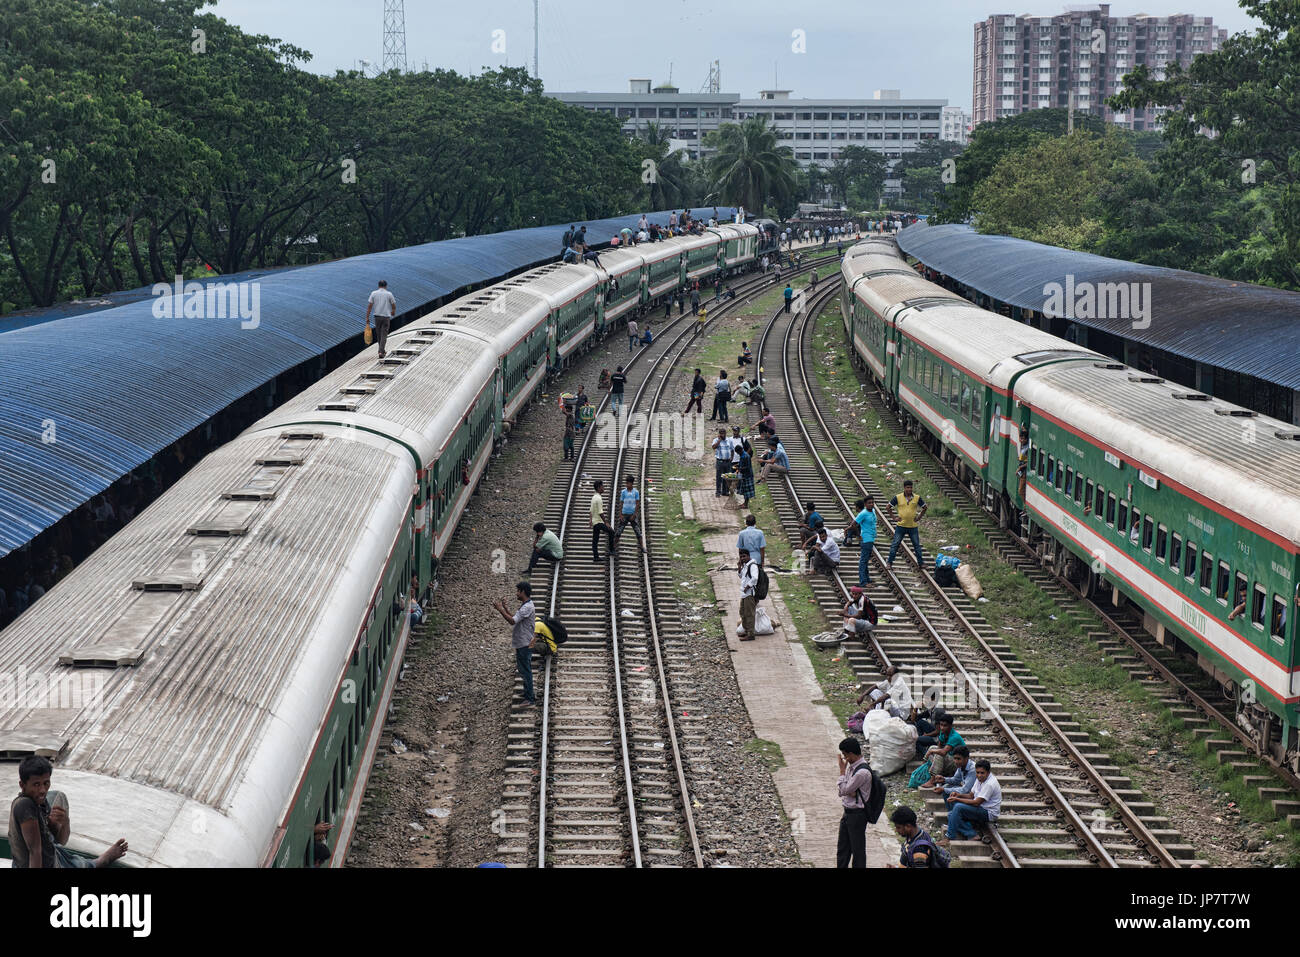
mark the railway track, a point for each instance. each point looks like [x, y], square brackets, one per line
[1189, 694]
[1064, 803]
[601, 779]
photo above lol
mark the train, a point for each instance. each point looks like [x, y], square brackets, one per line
[212, 683]
[1181, 503]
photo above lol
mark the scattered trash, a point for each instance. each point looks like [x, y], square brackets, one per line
[897, 609]
[983, 600]
[627, 613]
[416, 827]
[438, 812]
[398, 746]
[1053, 617]
[951, 548]
[444, 697]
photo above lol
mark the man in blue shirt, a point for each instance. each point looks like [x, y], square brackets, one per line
[774, 460]
[751, 539]
[812, 520]
[963, 779]
[789, 296]
[865, 527]
[630, 500]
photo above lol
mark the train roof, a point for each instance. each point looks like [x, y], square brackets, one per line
[620, 259]
[559, 283]
[1231, 325]
[417, 394]
[239, 641]
[1232, 458]
[119, 385]
[500, 315]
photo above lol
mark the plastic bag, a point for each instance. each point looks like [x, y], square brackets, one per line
[919, 776]
[762, 623]
[969, 583]
[893, 742]
[368, 336]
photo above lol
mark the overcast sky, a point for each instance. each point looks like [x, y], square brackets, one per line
[921, 47]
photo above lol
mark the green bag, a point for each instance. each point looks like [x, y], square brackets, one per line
[919, 776]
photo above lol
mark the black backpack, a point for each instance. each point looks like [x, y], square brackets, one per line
[760, 586]
[875, 801]
[944, 576]
[558, 631]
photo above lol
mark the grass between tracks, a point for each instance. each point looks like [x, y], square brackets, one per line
[1054, 644]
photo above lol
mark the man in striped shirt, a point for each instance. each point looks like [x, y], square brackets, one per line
[854, 789]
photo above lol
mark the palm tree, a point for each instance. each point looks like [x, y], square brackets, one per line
[748, 168]
[666, 188]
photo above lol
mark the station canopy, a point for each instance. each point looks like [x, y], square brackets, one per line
[1245, 328]
[89, 393]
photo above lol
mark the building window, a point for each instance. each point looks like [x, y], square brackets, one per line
[668, 111]
[874, 117]
[893, 116]
[821, 136]
[857, 116]
[626, 111]
[803, 156]
[839, 116]
[648, 112]
[805, 116]
[820, 156]
[688, 112]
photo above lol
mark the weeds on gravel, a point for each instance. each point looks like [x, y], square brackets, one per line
[769, 751]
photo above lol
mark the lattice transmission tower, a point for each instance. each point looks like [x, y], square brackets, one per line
[394, 35]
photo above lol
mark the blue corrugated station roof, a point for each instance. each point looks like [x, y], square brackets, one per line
[1253, 330]
[86, 398]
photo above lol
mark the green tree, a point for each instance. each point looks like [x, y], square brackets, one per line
[1246, 93]
[858, 166]
[749, 169]
[1053, 192]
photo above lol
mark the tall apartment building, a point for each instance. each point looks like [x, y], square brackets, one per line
[815, 129]
[1031, 62]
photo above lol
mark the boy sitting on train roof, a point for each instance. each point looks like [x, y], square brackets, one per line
[39, 824]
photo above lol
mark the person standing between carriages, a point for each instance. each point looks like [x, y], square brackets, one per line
[522, 635]
[698, 387]
[909, 509]
[384, 307]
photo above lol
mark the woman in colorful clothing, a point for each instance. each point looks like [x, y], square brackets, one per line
[742, 462]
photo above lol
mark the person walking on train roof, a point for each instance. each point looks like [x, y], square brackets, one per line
[748, 570]
[721, 396]
[617, 382]
[599, 521]
[698, 387]
[908, 509]
[626, 235]
[546, 544]
[629, 500]
[672, 219]
[523, 632]
[39, 826]
[384, 307]
[855, 791]
[642, 224]
[721, 462]
[569, 434]
[752, 540]
[863, 528]
[567, 241]
[788, 294]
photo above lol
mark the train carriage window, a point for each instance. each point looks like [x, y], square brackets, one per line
[977, 412]
[1148, 533]
[1162, 542]
[1189, 562]
[1135, 526]
[1042, 464]
[1239, 592]
[1207, 571]
[1278, 618]
[965, 400]
[1176, 552]
[1069, 482]
[1223, 582]
[1060, 476]
[1051, 470]
[1121, 521]
[1086, 496]
[1258, 606]
[954, 389]
[1033, 458]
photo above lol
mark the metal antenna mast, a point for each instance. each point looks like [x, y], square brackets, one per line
[537, 20]
[394, 35]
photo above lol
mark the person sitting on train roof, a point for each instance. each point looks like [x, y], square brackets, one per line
[546, 544]
[38, 831]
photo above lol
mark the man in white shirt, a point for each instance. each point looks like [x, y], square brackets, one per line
[981, 806]
[823, 552]
[384, 307]
[748, 571]
[722, 449]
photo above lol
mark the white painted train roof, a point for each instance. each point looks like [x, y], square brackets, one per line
[620, 259]
[664, 249]
[426, 387]
[1235, 462]
[559, 283]
[235, 673]
[501, 315]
